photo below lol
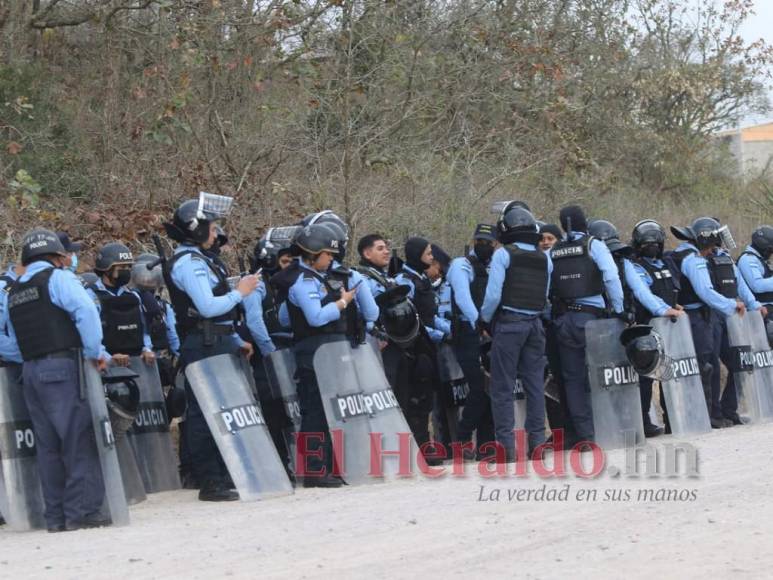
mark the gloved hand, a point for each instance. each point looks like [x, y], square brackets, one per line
[626, 317]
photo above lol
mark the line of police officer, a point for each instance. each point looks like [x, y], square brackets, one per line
[526, 288]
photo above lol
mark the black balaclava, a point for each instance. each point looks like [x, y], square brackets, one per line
[414, 249]
[575, 215]
[553, 229]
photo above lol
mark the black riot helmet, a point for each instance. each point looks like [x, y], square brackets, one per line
[648, 234]
[398, 316]
[607, 233]
[269, 248]
[112, 254]
[706, 232]
[762, 241]
[191, 220]
[315, 239]
[769, 331]
[517, 224]
[123, 398]
[40, 242]
[646, 352]
[338, 225]
[146, 273]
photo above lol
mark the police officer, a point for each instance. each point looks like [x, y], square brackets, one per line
[607, 232]
[72, 249]
[467, 278]
[206, 310]
[317, 314]
[653, 286]
[711, 290]
[52, 317]
[160, 320]
[584, 272]
[375, 255]
[516, 297]
[550, 236]
[754, 267]
[120, 308]
[417, 379]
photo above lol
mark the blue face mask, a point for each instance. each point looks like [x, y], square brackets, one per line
[74, 266]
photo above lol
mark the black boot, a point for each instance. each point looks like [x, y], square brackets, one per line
[217, 491]
[326, 480]
[651, 430]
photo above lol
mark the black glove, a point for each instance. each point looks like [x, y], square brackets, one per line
[625, 316]
[483, 326]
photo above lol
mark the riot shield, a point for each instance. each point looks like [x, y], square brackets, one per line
[280, 370]
[358, 400]
[373, 342]
[18, 464]
[684, 396]
[614, 385]
[237, 425]
[742, 367]
[454, 385]
[763, 363]
[133, 486]
[115, 500]
[149, 435]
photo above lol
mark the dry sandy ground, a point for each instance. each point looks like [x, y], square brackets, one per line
[439, 528]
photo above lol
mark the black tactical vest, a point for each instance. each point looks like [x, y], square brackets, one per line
[155, 319]
[575, 274]
[764, 297]
[663, 286]
[271, 308]
[526, 279]
[300, 326]
[41, 326]
[423, 297]
[121, 322]
[380, 277]
[282, 281]
[723, 275]
[687, 293]
[479, 281]
[188, 318]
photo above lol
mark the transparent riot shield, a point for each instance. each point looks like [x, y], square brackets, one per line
[280, 370]
[358, 400]
[18, 463]
[739, 333]
[237, 425]
[455, 388]
[149, 435]
[115, 499]
[614, 385]
[684, 397]
[763, 363]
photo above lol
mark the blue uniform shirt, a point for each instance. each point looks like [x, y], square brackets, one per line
[366, 303]
[639, 281]
[443, 293]
[307, 294]
[696, 268]
[376, 288]
[460, 276]
[147, 343]
[440, 327]
[171, 329]
[9, 349]
[253, 314]
[500, 262]
[68, 293]
[753, 272]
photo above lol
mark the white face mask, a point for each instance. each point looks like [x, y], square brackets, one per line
[73, 267]
[436, 284]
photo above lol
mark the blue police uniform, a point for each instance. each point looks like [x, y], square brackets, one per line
[67, 456]
[317, 320]
[570, 317]
[196, 279]
[439, 327]
[9, 349]
[708, 311]
[757, 275]
[467, 275]
[518, 347]
[640, 282]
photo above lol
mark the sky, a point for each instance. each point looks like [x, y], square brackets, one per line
[760, 26]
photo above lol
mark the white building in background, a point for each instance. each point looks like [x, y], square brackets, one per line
[752, 148]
